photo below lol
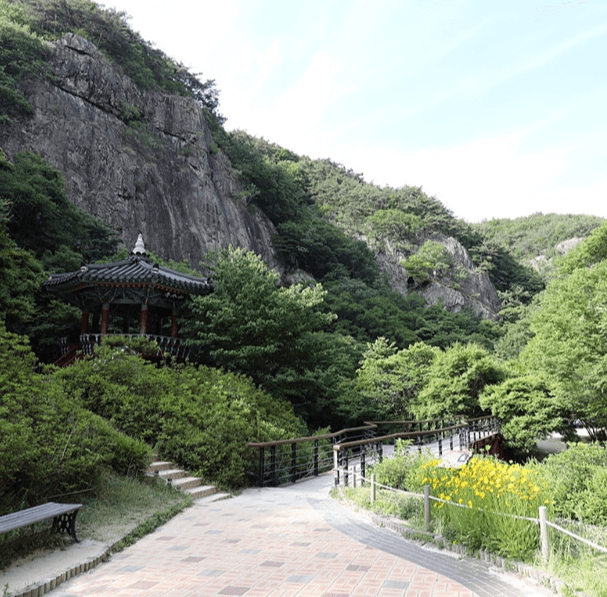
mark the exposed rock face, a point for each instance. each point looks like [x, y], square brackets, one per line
[474, 289]
[143, 161]
[541, 263]
[567, 245]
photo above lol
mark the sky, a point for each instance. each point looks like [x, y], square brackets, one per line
[497, 109]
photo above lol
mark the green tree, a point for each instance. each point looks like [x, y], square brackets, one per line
[392, 379]
[569, 343]
[527, 408]
[396, 225]
[456, 379]
[41, 232]
[432, 261]
[20, 271]
[592, 250]
[250, 325]
[41, 218]
[22, 55]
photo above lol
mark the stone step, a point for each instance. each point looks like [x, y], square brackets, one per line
[173, 473]
[159, 465]
[182, 481]
[201, 491]
[186, 482]
[214, 497]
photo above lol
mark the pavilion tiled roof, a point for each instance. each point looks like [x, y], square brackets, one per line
[134, 271]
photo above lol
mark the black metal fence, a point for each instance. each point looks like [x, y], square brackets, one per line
[289, 460]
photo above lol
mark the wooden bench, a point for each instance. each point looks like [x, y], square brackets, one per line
[63, 515]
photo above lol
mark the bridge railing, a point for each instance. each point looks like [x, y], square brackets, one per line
[290, 460]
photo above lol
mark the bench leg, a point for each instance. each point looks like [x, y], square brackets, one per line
[66, 522]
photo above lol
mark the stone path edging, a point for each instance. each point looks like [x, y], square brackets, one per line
[394, 525]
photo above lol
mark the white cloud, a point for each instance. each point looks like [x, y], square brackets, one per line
[484, 178]
[302, 106]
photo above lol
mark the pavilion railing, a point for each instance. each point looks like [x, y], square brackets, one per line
[166, 344]
[175, 347]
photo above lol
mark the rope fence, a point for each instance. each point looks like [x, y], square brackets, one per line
[542, 520]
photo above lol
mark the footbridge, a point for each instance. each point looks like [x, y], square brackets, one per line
[289, 460]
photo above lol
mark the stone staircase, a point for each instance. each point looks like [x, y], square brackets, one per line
[181, 480]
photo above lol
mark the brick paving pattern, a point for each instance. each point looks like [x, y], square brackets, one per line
[286, 542]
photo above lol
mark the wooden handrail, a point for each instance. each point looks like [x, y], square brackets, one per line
[296, 440]
[403, 434]
[272, 470]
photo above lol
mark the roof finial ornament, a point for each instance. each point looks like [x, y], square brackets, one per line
[139, 246]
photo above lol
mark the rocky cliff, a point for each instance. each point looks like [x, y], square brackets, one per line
[143, 161]
[472, 288]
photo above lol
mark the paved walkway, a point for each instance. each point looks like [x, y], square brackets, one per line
[283, 542]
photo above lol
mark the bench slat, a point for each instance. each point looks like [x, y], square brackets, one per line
[18, 520]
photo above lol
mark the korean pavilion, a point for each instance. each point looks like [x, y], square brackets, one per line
[130, 297]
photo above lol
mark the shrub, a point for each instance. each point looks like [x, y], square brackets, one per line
[210, 427]
[481, 501]
[201, 418]
[50, 445]
[577, 479]
[403, 470]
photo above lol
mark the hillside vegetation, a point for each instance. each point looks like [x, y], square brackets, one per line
[539, 234]
[328, 344]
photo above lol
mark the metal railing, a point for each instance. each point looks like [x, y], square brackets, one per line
[290, 460]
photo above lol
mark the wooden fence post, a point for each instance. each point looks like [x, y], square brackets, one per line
[336, 468]
[427, 505]
[372, 487]
[544, 535]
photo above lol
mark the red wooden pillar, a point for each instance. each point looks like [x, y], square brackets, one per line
[143, 319]
[84, 322]
[174, 325]
[105, 318]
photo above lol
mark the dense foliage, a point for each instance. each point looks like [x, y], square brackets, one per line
[25, 24]
[22, 57]
[199, 417]
[50, 444]
[529, 237]
[42, 232]
[577, 479]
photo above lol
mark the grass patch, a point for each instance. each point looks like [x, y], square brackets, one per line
[120, 504]
[409, 510]
[117, 512]
[583, 568]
